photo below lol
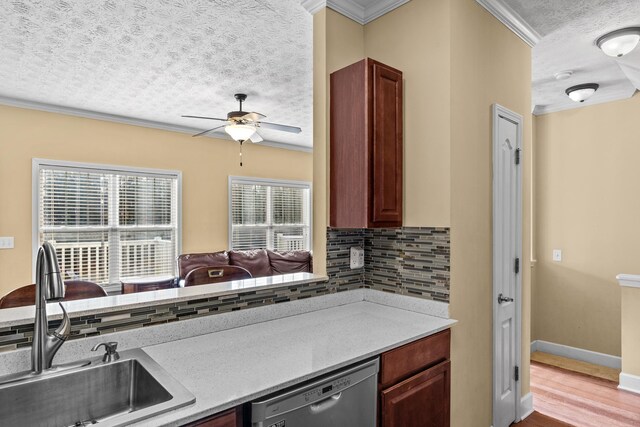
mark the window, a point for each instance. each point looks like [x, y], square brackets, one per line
[107, 223]
[269, 214]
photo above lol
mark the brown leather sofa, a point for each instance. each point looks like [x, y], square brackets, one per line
[259, 262]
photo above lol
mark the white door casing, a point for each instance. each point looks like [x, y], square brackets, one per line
[507, 260]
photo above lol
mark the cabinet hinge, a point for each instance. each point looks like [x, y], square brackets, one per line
[516, 373]
[517, 156]
[517, 266]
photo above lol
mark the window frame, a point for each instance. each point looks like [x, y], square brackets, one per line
[38, 163]
[234, 179]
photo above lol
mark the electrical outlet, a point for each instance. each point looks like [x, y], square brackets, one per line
[356, 260]
[557, 255]
[6, 242]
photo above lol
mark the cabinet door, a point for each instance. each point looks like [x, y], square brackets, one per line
[419, 401]
[386, 171]
[230, 418]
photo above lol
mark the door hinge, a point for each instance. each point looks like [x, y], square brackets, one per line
[517, 156]
[516, 373]
[517, 266]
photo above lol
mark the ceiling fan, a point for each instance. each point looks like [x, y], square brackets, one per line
[243, 126]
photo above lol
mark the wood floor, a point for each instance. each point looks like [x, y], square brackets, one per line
[562, 397]
[538, 420]
[576, 365]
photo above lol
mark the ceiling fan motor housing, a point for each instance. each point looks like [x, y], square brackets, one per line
[235, 114]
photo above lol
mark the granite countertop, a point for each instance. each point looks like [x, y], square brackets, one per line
[230, 367]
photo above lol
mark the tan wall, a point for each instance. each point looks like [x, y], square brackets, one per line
[320, 168]
[489, 64]
[337, 42]
[415, 38]
[457, 61]
[587, 183]
[631, 331]
[205, 164]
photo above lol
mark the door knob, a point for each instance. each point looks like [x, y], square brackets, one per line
[502, 299]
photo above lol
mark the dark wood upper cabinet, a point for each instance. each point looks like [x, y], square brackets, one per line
[366, 146]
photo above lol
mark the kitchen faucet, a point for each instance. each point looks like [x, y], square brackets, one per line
[49, 287]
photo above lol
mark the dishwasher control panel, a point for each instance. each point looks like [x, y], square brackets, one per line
[327, 389]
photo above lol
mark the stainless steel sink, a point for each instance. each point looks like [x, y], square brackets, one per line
[108, 394]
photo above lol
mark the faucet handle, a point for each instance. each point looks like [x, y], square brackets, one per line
[64, 330]
[111, 353]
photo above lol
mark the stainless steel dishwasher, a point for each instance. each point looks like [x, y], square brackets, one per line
[346, 398]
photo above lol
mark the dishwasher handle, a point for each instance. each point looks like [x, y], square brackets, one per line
[325, 404]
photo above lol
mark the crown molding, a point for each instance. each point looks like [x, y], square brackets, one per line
[630, 280]
[512, 20]
[348, 8]
[313, 6]
[353, 10]
[88, 114]
[379, 8]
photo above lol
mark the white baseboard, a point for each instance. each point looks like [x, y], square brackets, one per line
[575, 353]
[629, 382]
[526, 406]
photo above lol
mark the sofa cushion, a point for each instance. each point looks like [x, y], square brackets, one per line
[188, 262]
[256, 261]
[283, 262]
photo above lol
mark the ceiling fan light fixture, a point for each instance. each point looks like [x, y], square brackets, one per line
[240, 132]
[620, 42]
[581, 93]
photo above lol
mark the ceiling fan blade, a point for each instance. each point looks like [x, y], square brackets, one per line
[207, 131]
[208, 118]
[253, 116]
[283, 128]
[256, 137]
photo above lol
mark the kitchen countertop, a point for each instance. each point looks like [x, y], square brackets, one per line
[116, 303]
[234, 366]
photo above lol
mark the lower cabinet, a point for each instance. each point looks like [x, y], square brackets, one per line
[421, 400]
[415, 382]
[230, 418]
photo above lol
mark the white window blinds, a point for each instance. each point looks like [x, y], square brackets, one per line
[108, 225]
[269, 214]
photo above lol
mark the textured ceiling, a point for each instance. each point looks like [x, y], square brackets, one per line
[157, 60]
[569, 30]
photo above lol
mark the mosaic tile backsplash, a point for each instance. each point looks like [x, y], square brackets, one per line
[20, 336]
[339, 243]
[411, 261]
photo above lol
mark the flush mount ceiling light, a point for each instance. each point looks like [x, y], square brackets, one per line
[620, 42]
[581, 93]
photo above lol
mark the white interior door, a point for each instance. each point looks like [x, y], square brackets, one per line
[507, 244]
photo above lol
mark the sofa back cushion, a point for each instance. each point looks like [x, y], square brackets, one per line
[215, 274]
[283, 262]
[256, 261]
[188, 262]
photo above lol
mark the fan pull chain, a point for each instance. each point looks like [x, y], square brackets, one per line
[240, 153]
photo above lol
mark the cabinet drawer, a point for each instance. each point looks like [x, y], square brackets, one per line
[405, 361]
[419, 401]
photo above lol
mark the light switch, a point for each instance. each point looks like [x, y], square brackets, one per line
[6, 242]
[557, 255]
[356, 259]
